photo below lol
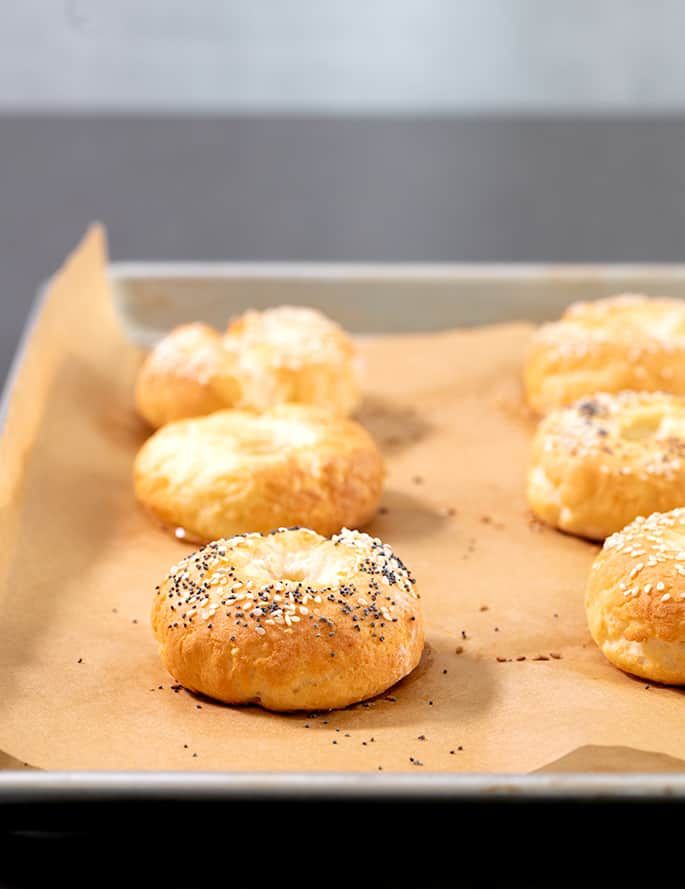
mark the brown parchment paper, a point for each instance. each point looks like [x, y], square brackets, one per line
[81, 686]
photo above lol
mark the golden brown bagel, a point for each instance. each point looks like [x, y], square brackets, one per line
[289, 620]
[283, 355]
[235, 471]
[635, 599]
[624, 342]
[606, 460]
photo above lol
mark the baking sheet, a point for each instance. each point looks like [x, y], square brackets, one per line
[510, 681]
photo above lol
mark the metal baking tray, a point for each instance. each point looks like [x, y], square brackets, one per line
[152, 298]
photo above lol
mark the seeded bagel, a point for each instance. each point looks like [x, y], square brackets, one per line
[635, 598]
[289, 620]
[623, 342]
[607, 459]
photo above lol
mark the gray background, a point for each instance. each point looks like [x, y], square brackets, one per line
[488, 130]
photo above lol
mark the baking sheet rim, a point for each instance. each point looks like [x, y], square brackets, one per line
[19, 786]
[46, 787]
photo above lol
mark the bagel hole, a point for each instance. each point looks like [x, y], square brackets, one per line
[258, 445]
[641, 427]
[276, 436]
[672, 325]
[293, 574]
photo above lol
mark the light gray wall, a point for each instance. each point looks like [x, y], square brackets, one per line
[342, 55]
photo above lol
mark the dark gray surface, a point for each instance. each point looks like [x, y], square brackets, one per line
[335, 189]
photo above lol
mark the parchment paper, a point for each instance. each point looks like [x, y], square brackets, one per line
[510, 680]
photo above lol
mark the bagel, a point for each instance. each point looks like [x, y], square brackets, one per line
[289, 620]
[623, 342]
[282, 355]
[235, 471]
[606, 460]
[635, 598]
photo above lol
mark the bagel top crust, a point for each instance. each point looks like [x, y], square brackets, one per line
[293, 354]
[639, 433]
[283, 355]
[623, 342]
[290, 620]
[289, 336]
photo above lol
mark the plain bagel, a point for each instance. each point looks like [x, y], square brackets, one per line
[234, 471]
